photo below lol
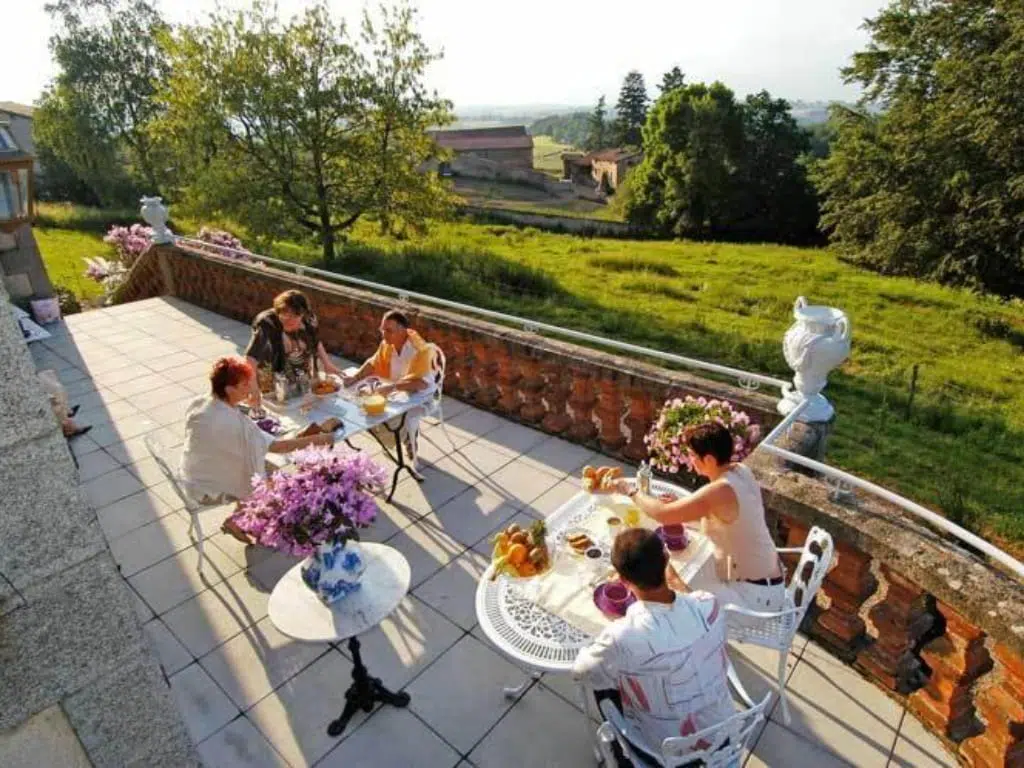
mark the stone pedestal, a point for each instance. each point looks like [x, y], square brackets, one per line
[848, 585]
[556, 393]
[582, 430]
[901, 618]
[807, 439]
[638, 420]
[957, 659]
[609, 414]
[1001, 706]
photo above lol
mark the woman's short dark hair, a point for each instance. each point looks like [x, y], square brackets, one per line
[397, 316]
[293, 301]
[229, 372]
[711, 438]
[639, 557]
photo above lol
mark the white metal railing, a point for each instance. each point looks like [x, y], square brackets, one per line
[746, 379]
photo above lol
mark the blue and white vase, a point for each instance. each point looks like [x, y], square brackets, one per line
[334, 570]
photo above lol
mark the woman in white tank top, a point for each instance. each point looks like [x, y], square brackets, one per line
[731, 513]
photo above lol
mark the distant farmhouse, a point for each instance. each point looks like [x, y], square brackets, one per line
[18, 120]
[510, 145]
[605, 168]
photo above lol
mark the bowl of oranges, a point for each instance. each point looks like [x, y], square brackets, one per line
[520, 553]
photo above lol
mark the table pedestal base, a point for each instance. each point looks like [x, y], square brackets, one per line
[364, 692]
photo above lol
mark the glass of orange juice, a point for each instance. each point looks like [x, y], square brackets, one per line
[631, 517]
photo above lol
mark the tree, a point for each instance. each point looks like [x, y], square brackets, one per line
[631, 110]
[672, 79]
[95, 117]
[934, 186]
[775, 199]
[296, 127]
[693, 142]
[597, 128]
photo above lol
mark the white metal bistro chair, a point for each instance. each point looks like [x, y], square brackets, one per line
[163, 454]
[776, 629]
[718, 746]
[438, 367]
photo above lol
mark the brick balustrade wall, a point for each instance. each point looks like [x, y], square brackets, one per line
[938, 627]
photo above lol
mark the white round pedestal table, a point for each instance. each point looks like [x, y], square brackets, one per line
[299, 613]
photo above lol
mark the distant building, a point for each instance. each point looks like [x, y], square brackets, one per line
[606, 167]
[508, 145]
[18, 118]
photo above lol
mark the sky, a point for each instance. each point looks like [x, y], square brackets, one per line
[564, 52]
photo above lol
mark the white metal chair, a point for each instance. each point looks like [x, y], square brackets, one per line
[163, 455]
[438, 366]
[776, 629]
[719, 746]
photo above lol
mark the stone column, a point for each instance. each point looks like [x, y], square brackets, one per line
[848, 585]
[1001, 705]
[531, 386]
[638, 420]
[486, 355]
[957, 659]
[901, 618]
[508, 377]
[581, 401]
[556, 395]
[609, 414]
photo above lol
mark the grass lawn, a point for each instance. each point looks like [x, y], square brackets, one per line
[960, 449]
[547, 155]
[63, 251]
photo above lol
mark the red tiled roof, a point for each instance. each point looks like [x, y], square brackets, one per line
[465, 144]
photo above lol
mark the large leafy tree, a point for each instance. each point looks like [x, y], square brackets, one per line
[95, 117]
[775, 200]
[597, 128]
[631, 110]
[693, 144]
[672, 79]
[292, 127]
[934, 185]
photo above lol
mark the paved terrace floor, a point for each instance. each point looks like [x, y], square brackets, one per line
[252, 697]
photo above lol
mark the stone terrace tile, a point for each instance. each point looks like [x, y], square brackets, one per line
[239, 745]
[461, 694]
[204, 707]
[374, 744]
[175, 580]
[217, 614]
[917, 748]
[452, 589]
[471, 515]
[542, 729]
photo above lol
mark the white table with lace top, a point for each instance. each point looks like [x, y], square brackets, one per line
[532, 636]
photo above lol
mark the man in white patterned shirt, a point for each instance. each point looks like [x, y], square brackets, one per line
[664, 662]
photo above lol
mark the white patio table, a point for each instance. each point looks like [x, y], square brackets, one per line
[544, 642]
[344, 404]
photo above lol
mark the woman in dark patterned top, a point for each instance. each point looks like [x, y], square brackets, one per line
[285, 338]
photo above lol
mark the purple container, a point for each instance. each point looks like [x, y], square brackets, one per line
[674, 537]
[613, 598]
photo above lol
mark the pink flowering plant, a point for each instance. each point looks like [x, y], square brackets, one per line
[327, 498]
[224, 239]
[667, 439]
[130, 242]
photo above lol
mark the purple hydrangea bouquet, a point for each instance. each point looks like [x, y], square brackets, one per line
[666, 440]
[317, 511]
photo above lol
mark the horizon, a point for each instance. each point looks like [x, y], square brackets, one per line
[791, 48]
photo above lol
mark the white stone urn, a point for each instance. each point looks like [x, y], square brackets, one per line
[154, 213]
[816, 343]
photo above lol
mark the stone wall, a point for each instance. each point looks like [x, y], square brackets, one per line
[926, 620]
[78, 684]
[21, 266]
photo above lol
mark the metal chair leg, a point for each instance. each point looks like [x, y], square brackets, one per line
[783, 655]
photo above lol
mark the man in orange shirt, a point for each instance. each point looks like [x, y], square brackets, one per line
[402, 363]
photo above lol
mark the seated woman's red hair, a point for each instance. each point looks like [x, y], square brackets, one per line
[229, 372]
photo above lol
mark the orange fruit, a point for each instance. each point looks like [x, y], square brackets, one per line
[517, 554]
[527, 569]
[501, 540]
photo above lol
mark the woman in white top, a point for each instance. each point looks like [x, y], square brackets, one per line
[223, 447]
[732, 516]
